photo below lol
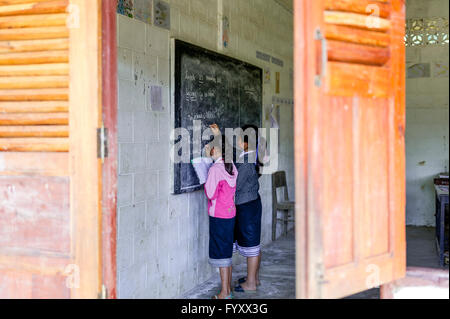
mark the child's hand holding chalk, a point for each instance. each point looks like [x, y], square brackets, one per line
[215, 129]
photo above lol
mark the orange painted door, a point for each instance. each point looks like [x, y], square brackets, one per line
[50, 174]
[349, 147]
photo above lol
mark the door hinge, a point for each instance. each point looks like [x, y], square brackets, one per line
[102, 143]
[319, 78]
[103, 294]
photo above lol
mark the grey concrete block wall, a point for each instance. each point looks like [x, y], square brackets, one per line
[162, 244]
[427, 114]
[426, 8]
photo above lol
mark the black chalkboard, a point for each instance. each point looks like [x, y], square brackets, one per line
[212, 88]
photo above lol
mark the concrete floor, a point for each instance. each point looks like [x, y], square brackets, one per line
[421, 248]
[421, 251]
[278, 268]
[277, 274]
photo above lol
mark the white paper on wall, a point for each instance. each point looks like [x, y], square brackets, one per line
[156, 98]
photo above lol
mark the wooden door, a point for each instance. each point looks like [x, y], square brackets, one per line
[50, 174]
[349, 146]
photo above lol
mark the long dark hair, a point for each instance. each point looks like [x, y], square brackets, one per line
[260, 149]
[228, 164]
[221, 142]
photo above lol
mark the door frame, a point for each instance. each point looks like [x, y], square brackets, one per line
[85, 102]
[109, 169]
[299, 149]
[93, 106]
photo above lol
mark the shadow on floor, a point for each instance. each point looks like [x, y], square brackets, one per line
[278, 268]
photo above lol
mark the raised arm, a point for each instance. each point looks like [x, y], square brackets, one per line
[215, 129]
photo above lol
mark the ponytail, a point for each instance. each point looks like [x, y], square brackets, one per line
[228, 165]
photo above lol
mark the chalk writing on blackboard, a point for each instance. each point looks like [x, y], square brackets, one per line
[211, 88]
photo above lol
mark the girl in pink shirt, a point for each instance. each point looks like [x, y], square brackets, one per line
[220, 188]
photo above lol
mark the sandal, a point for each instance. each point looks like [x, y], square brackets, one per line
[244, 279]
[230, 296]
[239, 288]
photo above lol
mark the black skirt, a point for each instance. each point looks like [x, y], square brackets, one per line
[247, 230]
[221, 241]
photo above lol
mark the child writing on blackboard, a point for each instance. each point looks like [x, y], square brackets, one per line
[220, 189]
[247, 234]
[248, 207]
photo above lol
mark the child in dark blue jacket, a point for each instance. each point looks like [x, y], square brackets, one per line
[247, 229]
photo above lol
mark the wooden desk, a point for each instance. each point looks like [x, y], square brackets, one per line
[441, 201]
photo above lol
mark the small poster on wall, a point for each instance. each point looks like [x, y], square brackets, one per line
[277, 84]
[225, 32]
[143, 10]
[440, 69]
[161, 11]
[419, 70]
[156, 98]
[272, 114]
[266, 76]
[125, 7]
